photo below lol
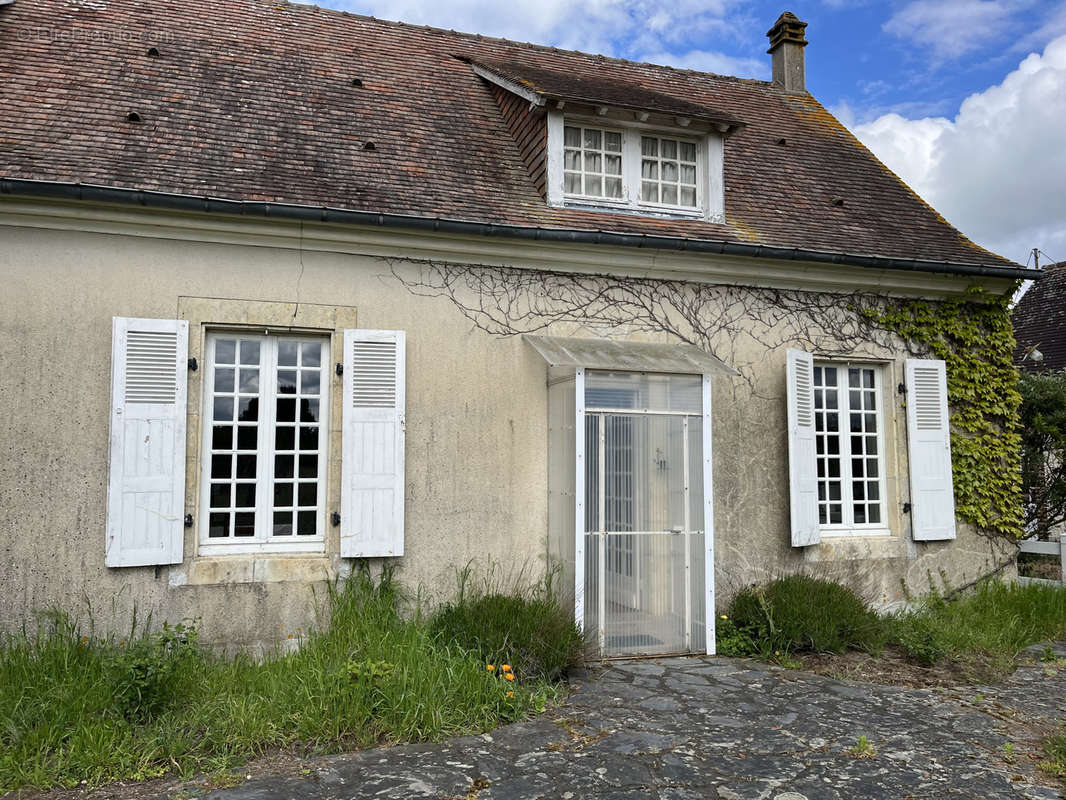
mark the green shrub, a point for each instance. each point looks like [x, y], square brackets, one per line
[530, 631]
[922, 641]
[801, 613]
[149, 674]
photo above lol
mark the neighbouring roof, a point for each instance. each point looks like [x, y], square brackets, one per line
[1040, 322]
[610, 354]
[266, 101]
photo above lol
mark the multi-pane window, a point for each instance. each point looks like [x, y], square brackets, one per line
[264, 460]
[667, 171]
[592, 162]
[848, 425]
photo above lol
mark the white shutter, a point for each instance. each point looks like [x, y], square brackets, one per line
[372, 450]
[146, 460]
[802, 461]
[929, 435]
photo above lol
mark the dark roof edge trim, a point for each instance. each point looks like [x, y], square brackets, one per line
[212, 205]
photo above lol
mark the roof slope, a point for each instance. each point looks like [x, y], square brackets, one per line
[254, 100]
[1040, 322]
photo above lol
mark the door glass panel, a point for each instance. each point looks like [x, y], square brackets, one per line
[639, 391]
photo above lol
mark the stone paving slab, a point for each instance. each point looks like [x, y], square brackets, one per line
[699, 727]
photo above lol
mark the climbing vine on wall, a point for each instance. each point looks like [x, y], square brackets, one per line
[973, 335]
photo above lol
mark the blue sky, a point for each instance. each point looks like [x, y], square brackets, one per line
[964, 99]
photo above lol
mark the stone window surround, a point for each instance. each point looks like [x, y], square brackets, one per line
[209, 313]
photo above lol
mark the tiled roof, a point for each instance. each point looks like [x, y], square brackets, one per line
[1040, 322]
[254, 100]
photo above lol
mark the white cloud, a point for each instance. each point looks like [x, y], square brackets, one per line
[671, 29]
[998, 169]
[951, 28]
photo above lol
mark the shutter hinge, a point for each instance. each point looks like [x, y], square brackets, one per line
[335, 519]
[901, 389]
[188, 520]
[339, 368]
[193, 365]
[906, 508]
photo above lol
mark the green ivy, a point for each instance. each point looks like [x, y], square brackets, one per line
[973, 335]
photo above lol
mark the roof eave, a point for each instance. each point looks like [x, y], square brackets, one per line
[215, 205]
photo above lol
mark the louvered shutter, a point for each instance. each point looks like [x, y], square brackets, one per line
[802, 460]
[929, 435]
[146, 459]
[372, 451]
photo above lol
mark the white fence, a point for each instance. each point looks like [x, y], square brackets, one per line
[1052, 548]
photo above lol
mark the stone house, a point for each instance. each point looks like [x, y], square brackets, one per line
[287, 290]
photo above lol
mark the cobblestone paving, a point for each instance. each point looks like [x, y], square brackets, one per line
[719, 728]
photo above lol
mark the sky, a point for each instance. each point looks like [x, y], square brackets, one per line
[964, 99]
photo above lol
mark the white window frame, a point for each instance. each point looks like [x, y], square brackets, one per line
[264, 541]
[710, 197]
[848, 527]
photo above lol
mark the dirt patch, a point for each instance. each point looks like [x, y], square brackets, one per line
[894, 668]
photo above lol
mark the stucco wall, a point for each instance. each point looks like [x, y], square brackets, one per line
[476, 440]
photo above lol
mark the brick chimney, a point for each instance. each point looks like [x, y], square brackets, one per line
[786, 48]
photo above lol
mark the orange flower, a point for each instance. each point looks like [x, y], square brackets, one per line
[490, 667]
[506, 667]
[510, 694]
[509, 676]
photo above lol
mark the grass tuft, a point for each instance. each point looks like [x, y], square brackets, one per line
[76, 708]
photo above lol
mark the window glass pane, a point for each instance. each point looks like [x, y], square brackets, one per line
[249, 352]
[246, 465]
[572, 160]
[612, 141]
[592, 139]
[283, 523]
[572, 183]
[308, 438]
[247, 437]
[309, 381]
[670, 171]
[572, 136]
[244, 524]
[284, 438]
[688, 173]
[224, 408]
[612, 165]
[245, 495]
[283, 466]
[222, 437]
[283, 494]
[287, 353]
[221, 466]
[249, 409]
[649, 170]
[668, 148]
[309, 465]
[593, 162]
[220, 495]
[649, 146]
[874, 513]
[670, 195]
[308, 410]
[612, 187]
[223, 380]
[224, 351]
[308, 494]
[311, 354]
[644, 391]
[593, 185]
[306, 523]
[649, 192]
[287, 381]
[286, 409]
[250, 381]
[687, 152]
[688, 197]
[218, 525]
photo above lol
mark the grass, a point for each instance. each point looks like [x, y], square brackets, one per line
[75, 708]
[982, 631]
[1055, 750]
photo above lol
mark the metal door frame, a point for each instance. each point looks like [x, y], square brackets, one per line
[579, 516]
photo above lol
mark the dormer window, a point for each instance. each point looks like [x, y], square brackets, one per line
[615, 147]
[623, 164]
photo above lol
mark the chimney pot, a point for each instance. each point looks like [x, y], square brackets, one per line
[786, 48]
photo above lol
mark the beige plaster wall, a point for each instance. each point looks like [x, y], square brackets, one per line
[476, 440]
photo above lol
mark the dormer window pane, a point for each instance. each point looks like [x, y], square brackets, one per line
[592, 162]
[668, 170]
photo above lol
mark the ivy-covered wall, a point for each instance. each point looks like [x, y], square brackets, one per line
[973, 335]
